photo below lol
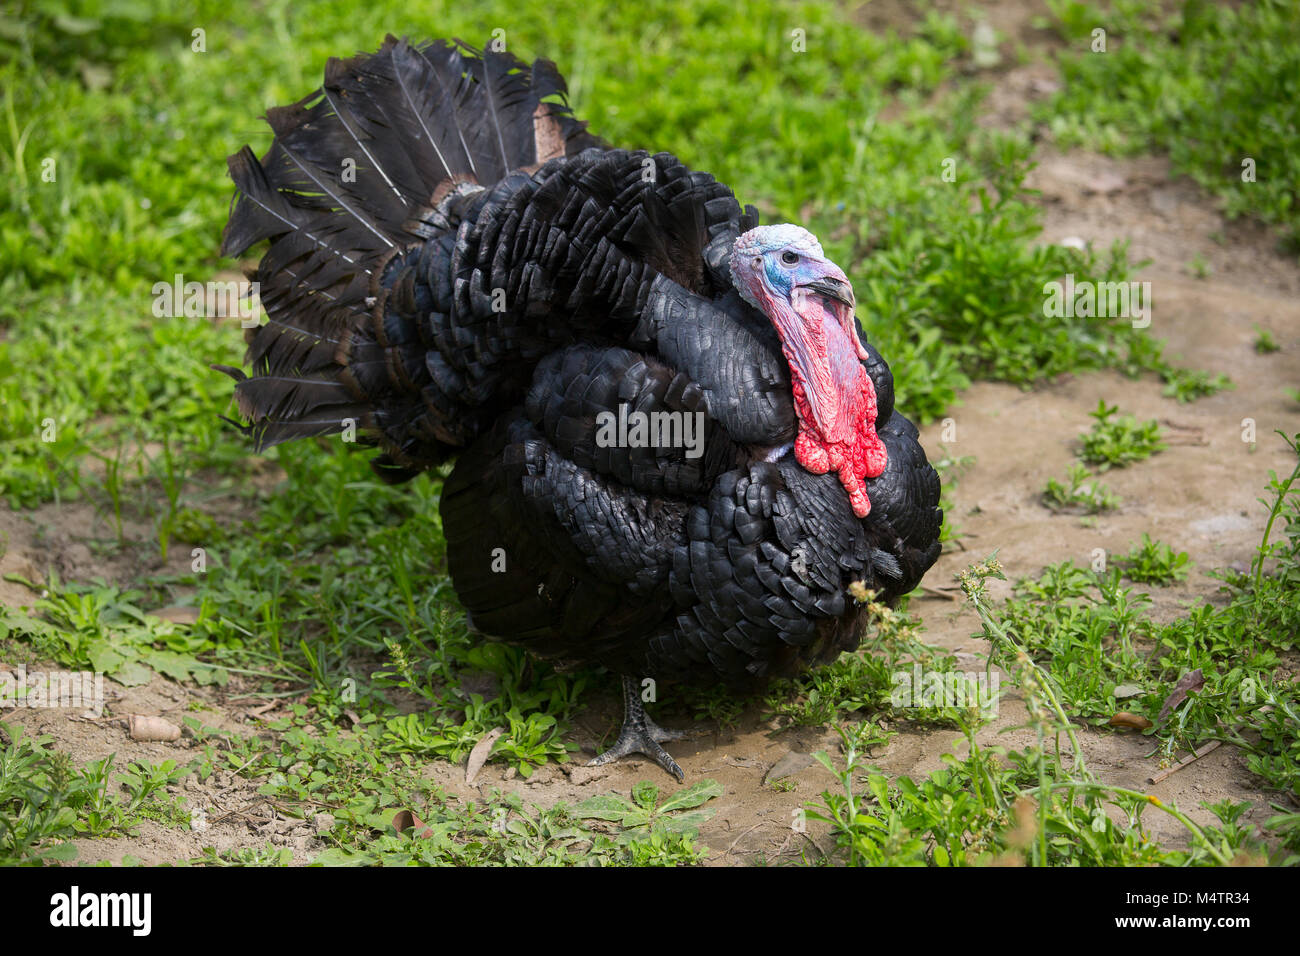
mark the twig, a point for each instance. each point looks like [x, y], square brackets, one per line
[1190, 758]
[241, 811]
[941, 592]
[741, 837]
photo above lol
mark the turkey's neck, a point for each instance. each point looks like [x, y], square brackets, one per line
[834, 398]
[824, 368]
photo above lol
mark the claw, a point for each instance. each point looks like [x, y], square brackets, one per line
[641, 735]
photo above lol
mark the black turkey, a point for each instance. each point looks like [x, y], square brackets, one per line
[675, 449]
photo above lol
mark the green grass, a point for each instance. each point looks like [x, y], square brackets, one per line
[1213, 85]
[862, 683]
[1102, 645]
[45, 802]
[1265, 343]
[1026, 809]
[1187, 385]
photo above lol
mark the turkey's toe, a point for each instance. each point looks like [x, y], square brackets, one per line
[642, 741]
[641, 735]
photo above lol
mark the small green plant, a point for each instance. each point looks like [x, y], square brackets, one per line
[1069, 815]
[45, 802]
[666, 848]
[147, 796]
[657, 833]
[1187, 385]
[863, 837]
[1214, 674]
[864, 680]
[1199, 267]
[104, 629]
[1117, 443]
[714, 703]
[1152, 562]
[40, 795]
[267, 855]
[1081, 492]
[1265, 344]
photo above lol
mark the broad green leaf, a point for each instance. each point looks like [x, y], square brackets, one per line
[684, 822]
[692, 796]
[132, 674]
[604, 807]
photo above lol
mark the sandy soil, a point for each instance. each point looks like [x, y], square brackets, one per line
[1199, 496]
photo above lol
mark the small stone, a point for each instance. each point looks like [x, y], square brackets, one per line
[1104, 183]
[582, 775]
[543, 775]
[76, 556]
[177, 614]
[791, 763]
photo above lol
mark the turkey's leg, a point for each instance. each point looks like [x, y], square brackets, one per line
[641, 735]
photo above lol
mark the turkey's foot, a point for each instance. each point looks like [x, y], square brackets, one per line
[641, 735]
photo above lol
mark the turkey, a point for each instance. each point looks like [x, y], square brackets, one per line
[675, 450]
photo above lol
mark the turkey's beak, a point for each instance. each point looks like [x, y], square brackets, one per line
[829, 281]
[833, 287]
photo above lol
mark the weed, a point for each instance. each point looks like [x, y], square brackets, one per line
[1083, 493]
[1151, 562]
[1265, 344]
[644, 817]
[1114, 444]
[1199, 267]
[1187, 385]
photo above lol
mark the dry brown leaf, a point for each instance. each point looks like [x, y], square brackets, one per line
[478, 756]
[1132, 721]
[1192, 680]
[259, 711]
[405, 820]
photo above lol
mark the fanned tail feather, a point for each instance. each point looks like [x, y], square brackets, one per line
[347, 184]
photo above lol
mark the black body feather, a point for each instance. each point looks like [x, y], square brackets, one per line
[491, 279]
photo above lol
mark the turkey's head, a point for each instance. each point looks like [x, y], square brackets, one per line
[782, 271]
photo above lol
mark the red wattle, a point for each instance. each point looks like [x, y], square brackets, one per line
[862, 455]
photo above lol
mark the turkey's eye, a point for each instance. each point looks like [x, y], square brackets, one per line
[790, 258]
